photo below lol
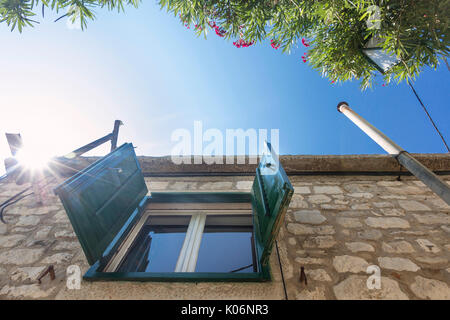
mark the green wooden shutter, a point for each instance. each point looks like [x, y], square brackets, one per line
[99, 199]
[271, 195]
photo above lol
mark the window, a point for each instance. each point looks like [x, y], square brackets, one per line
[157, 245]
[227, 245]
[197, 243]
[127, 234]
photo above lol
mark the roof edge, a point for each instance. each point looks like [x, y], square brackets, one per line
[297, 164]
[372, 164]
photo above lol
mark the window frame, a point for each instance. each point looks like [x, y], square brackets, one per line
[169, 199]
[188, 254]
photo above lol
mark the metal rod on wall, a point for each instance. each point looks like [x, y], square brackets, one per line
[424, 174]
[115, 134]
[109, 137]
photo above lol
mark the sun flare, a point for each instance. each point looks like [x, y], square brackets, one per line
[33, 159]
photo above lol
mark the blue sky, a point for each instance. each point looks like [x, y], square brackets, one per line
[63, 88]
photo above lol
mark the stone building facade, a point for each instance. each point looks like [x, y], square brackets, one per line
[347, 213]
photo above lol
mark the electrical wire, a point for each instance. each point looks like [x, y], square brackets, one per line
[14, 199]
[3, 177]
[429, 117]
[243, 268]
[10, 203]
[14, 196]
[281, 270]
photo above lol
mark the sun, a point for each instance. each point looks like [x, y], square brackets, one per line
[33, 158]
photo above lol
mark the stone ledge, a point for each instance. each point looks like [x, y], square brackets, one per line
[375, 164]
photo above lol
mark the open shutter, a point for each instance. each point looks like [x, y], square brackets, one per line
[271, 195]
[99, 199]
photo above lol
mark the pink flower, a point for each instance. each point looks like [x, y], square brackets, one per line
[305, 43]
[274, 44]
[220, 32]
[242, 43]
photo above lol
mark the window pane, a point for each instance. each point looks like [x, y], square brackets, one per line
[158, 245]
[226, 245]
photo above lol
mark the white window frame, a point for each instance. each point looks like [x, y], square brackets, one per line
[187, 260]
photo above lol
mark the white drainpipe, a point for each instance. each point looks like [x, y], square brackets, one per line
[415, 167]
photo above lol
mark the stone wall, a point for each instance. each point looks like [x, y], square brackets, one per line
[335, 228]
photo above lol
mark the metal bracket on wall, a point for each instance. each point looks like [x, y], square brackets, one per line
[50, 270]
